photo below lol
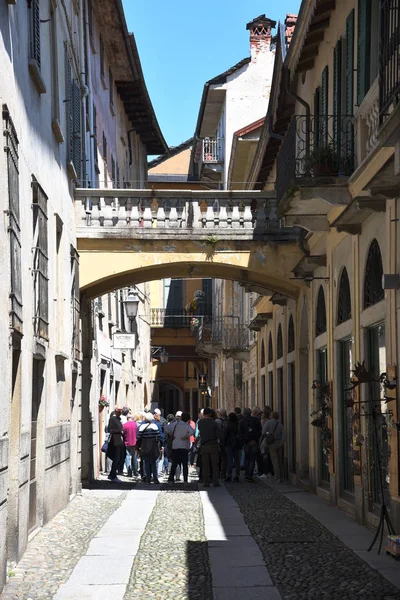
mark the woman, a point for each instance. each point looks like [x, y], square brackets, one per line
[233, 446]
[180, 432]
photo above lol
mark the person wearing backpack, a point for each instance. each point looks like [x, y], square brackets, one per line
[148, 442]
[222, 422]
[250, 433]
[274, 437]
[232, 445]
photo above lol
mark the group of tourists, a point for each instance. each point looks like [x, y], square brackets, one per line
[149, 446]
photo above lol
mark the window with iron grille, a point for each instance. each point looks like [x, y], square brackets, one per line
[291, 341]
[279, 343]
[75, 304]
[34, 32]
[373, 290]
[40, 262]
[344, 298]
[262, 355]
[14, 227]
[270, 349]
[73, 117]
[320, 323]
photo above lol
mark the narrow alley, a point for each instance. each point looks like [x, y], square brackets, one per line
[262, 541]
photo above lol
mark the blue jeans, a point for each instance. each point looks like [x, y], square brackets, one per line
[233, 456]
[131, 461]
[250, 453]
[150, 468]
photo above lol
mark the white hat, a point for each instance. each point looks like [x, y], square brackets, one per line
[178, 413]
[157, 411]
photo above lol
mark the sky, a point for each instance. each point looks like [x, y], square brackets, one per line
[182, 44]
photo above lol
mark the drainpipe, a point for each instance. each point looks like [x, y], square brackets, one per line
[303, 103]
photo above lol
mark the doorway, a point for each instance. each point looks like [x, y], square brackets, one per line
[304, 400]
[37, 392]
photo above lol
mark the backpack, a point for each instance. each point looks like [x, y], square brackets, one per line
[149, 447]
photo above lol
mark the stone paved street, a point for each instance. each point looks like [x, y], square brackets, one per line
[182, 543]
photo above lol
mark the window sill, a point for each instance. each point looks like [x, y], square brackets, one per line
[71, 170]
[11, 1]
[57, 131]
[36, 76]
[103, 81]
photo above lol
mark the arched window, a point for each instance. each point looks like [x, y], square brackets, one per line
[320, 323]
[270, 349]
[262, 354]
[279, 343]
[344, 298]
[373, 290]
[290, 335]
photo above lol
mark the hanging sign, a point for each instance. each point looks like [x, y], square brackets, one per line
[124, 341]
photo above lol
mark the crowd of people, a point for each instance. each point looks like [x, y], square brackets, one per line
[149, 447]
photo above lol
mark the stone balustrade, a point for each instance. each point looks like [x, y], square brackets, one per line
[196, 212]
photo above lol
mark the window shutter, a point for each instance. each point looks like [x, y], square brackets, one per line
[317, 122]
[324, 105]
[35, 31]
[113, 173]
[350, 64]
[68, 104]
[77, 144]
[363, 48]
[337, 93]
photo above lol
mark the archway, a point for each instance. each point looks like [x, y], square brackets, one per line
[304, 395]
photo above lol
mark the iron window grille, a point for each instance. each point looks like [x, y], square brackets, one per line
[373, 290]
[14, 227]
[40, 262]
[279, 343]
[291, 339]
[344, 298]
[320, 323]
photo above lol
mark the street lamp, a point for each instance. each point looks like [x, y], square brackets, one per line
[164, 356]
[131, 306]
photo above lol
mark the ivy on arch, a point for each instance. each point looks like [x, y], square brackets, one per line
[270, 349]
[291, 342]
[344, 298]
[320, 322]
[373, 290]
[279, 343]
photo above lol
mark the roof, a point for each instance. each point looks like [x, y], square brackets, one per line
[122, 52]
[223, 76]
[172, 151]
[262, 19]
[249, 128]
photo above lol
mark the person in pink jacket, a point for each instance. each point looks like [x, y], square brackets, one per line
[130, 434]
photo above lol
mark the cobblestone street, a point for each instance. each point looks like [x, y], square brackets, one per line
[244, 541]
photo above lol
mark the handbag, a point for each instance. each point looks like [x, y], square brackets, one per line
[106, 442]
[270, 437]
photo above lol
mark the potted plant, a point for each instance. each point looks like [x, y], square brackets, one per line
[322, 161]
[103, 403]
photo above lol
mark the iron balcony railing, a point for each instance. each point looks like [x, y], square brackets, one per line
[173, 317]
[389, 56]
[222, 333]
[213, 150]
[315, 148]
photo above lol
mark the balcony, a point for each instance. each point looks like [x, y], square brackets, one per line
[224, 334]
[213, 150]
[315, 161]
[170, 317]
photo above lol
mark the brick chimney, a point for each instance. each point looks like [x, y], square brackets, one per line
[290, 24]
[260, 35]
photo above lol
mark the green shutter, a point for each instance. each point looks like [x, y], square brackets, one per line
[337, 93]
[317, 123]
[324, 105]
[363, 49]
[69, 104]
[76, 117]
[350, 64]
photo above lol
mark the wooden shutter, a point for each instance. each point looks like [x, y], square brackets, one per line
[324, 105]
[363, 49]
[337, 93]
[317, 122]
[68, 104]
[76, 119]
[35, 31]
[350, 64]
[40, 262]
[75, 303]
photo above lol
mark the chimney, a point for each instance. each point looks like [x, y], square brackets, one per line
[260, 35]
[290, 24]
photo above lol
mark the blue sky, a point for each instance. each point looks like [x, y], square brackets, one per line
[183, 43]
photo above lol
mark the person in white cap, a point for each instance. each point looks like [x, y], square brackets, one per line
[178, 415]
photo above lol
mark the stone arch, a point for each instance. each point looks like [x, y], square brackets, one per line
[303, 435]
[373, 290]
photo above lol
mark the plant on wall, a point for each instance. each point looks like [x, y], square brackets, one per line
[320, 416]
[210, 244]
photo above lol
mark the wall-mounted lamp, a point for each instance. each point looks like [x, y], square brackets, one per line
[131, 306]
[164, 356]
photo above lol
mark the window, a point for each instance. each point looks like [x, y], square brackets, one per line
[113, 171]
[95, 148]
[55, 100]
[104, 148]
[279, 343]
[34, 32]
[322, 374]
[346, 407]
[111, 83]
[270, 349]
[367, 47]
[73, 109]
[373, 290]
[344, 298]
[75, 304]
[320, 323]
[14, 227]
[337, 95]
[291, 341]
[262, 355]
[40, 262]
[101, 58]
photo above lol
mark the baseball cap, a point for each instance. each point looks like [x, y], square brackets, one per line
[157, 411]
[178, 413]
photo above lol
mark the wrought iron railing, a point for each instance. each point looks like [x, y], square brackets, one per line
[389, 56]
[315, 147]
[170, 317]
[213, 150]
[223, 332]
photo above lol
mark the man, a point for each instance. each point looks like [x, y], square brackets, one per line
[250, 433]
[130, 433]
[222, 421]
[275, 428]
[180, 432]
[178, 415]
[209, 436]
[160, 422]
[238, 411]
[148, 438]
[116, 446]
